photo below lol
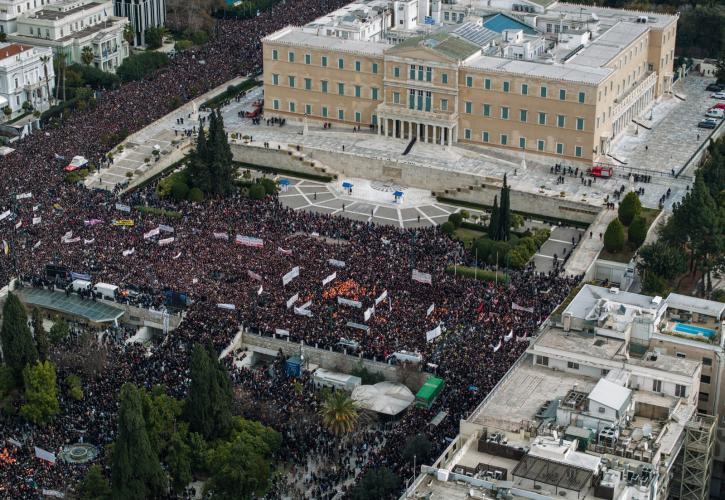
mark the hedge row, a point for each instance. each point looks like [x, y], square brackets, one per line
[158, 211]
[480, 274]
[231, 92]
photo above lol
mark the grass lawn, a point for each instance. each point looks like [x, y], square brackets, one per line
[625, 255]
[467, 236]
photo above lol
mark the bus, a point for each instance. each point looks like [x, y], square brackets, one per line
[429, 392]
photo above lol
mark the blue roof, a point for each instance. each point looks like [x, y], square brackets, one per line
[501, 22]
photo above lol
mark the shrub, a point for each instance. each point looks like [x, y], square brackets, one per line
[154, 38]
[257, 192]
[655, 284]
[270, 187]
[614, 237]
[138, 66]
[75, 390]
[629, 208]
[179, 190]
[199, 37]
[529, 244]
[481, 274]
[484, 247]
[637, 231]
[465, 214]
[158, 211]
[456, 219]
[366, 376]
[540, 236]
[448, 228]
[183, 45]
[518, 257]
[196, 195]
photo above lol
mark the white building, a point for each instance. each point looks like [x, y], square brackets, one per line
[23, 73]
[143, 14]
[71, 26]
[11, 9]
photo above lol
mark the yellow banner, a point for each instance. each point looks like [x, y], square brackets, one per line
[122, 222]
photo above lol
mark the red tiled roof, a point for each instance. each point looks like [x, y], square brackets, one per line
[12, 50]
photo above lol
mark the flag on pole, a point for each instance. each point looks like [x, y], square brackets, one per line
[430, 310]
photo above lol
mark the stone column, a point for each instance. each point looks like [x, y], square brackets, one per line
[425, 132]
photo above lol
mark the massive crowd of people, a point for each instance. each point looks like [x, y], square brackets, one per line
[72, 228]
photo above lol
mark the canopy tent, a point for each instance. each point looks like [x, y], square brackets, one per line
[388, 398]
[72, 305]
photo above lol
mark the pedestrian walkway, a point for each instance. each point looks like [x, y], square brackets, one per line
[590, 246]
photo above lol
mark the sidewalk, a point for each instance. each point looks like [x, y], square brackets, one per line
[589, 248]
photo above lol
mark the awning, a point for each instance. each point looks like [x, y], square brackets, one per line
[73, 305]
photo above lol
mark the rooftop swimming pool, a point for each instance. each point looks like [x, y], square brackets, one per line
[693, 330]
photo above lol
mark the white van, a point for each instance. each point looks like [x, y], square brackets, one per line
[80, 285]
[105, 290]
[715, 113]
[400, 356]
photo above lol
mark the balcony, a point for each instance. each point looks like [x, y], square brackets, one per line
[435, 116]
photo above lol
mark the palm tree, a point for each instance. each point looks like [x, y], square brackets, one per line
[339, 413]
[87, 55]
[45, 60]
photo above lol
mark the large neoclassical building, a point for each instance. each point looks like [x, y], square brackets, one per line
[535, 75]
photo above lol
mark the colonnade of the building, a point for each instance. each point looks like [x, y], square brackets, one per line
[425, 132]
[634, 111]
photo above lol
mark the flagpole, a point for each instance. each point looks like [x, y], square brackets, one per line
[496, 268]
[475, 269]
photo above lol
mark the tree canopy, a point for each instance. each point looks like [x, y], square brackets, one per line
[210, 167]
[17, 341]
[41, 393]
[208, 407]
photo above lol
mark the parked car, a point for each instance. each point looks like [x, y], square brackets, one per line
[715, 113]
[715, 87]
[718, 95]
[707, 123]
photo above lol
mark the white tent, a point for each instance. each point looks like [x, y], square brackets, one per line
[384, 397]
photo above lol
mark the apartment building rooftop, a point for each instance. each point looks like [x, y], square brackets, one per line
[297, 36]
[60, 11]
[609, 44]
[565, 72]
[610, 16]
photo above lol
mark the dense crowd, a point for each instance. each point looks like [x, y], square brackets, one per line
[64, 225]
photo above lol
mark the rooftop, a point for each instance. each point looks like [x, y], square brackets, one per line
[292, 35]
[91, 310]
[558, 71]
[696, 304]
[611, 16]
[12, 50]
[607, 46]
[610, 394]
[590, 295]
[443, 43]
[53, 13]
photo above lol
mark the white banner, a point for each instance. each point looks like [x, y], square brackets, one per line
[509, 336]
[261, 289]
[36, 220]
[73, 240]
[303, 312]
[88, 242]
[14, 442]
[281, 332]
[176, 256]
[166, 241]
[430, 310]
[22, 196]
[422, 277]
[435, 332]
[165, 228]
[498, 346]
[45, 455]
[5, 215]
[254, 275]
[122, 207]
[249, 241]
[126, 253]
[19, 224]
[35, 208]
[36, 245]
[291, 275]
[382, 297]
[517, 307]
[221, 236]
[53, 493]
[306, 305]
[230, 307]
[283, 251]
[329, 278]
[336, 263]
[152, 233]
[358, 326]
[292, 300]
[348, 302]
[369, 312]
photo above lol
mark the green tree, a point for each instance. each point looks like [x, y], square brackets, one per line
[256, 192]
[195, 195]
[136, 471]
[339, 413]
[448, 228]
[41, 338]
[154, 37]
[418, 446]
[504, 225]
[129, 34]
[178, 461]
[75, 388]
[17, 341]
[376, 484]
[662, 259]
[179, 191]
[494, 220]
[655, 284]
[41, 395]
[94, 485]
[242, 465]
[637, 231]
[614, 237]
[629, 208]
[87, 55]
[270, 187]
[208, 407]
[456, 219]
[59, 331]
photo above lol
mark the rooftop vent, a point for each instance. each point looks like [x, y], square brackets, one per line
[614, 290]
[656, 300]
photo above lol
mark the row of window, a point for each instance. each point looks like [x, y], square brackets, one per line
[524, 89]
[308, 109]
[542, 118]
[324, 61]
[325, 86]
[539, 145]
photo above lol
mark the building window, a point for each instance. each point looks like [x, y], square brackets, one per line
[504, 139]
[411, 72]
[428, 74]
[703, 397]
[341, 63]
[578, 151]
[681, 355]
[420, 73]
[523, 114]
[487, 84]
[572, 365]
[324, 111]
[541, 144]
[484, 137]
[560, 121]
[580, 123]
[542, 360]
[308, 83]
[375, 68]
[290, 57]
[705, 379]
[706, 361]
[582, 97]
[411, 99]
[340, 114]
[308, 109]
[291, 107]
[524, 89]
[275, 79]
[275, 54]
[358, 90]
[562, 94]
[506, 86]
[358, 65]
[358, 117]
[605, 372]
[504, 112]
[396, 71]
[396, 97]
[656, 386]
[444, 104]
[275, 104]
[542, 118]
[522, 142]
[467, 134]
[542, 91]
[468, 106]
[341, 89]
[291, 80]
[559, 148]
[469, 81]
[486, 110]
[323, 61]
[601, 409]
[323, 86]
[308, 59]
[374, 94]
[444, 78]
